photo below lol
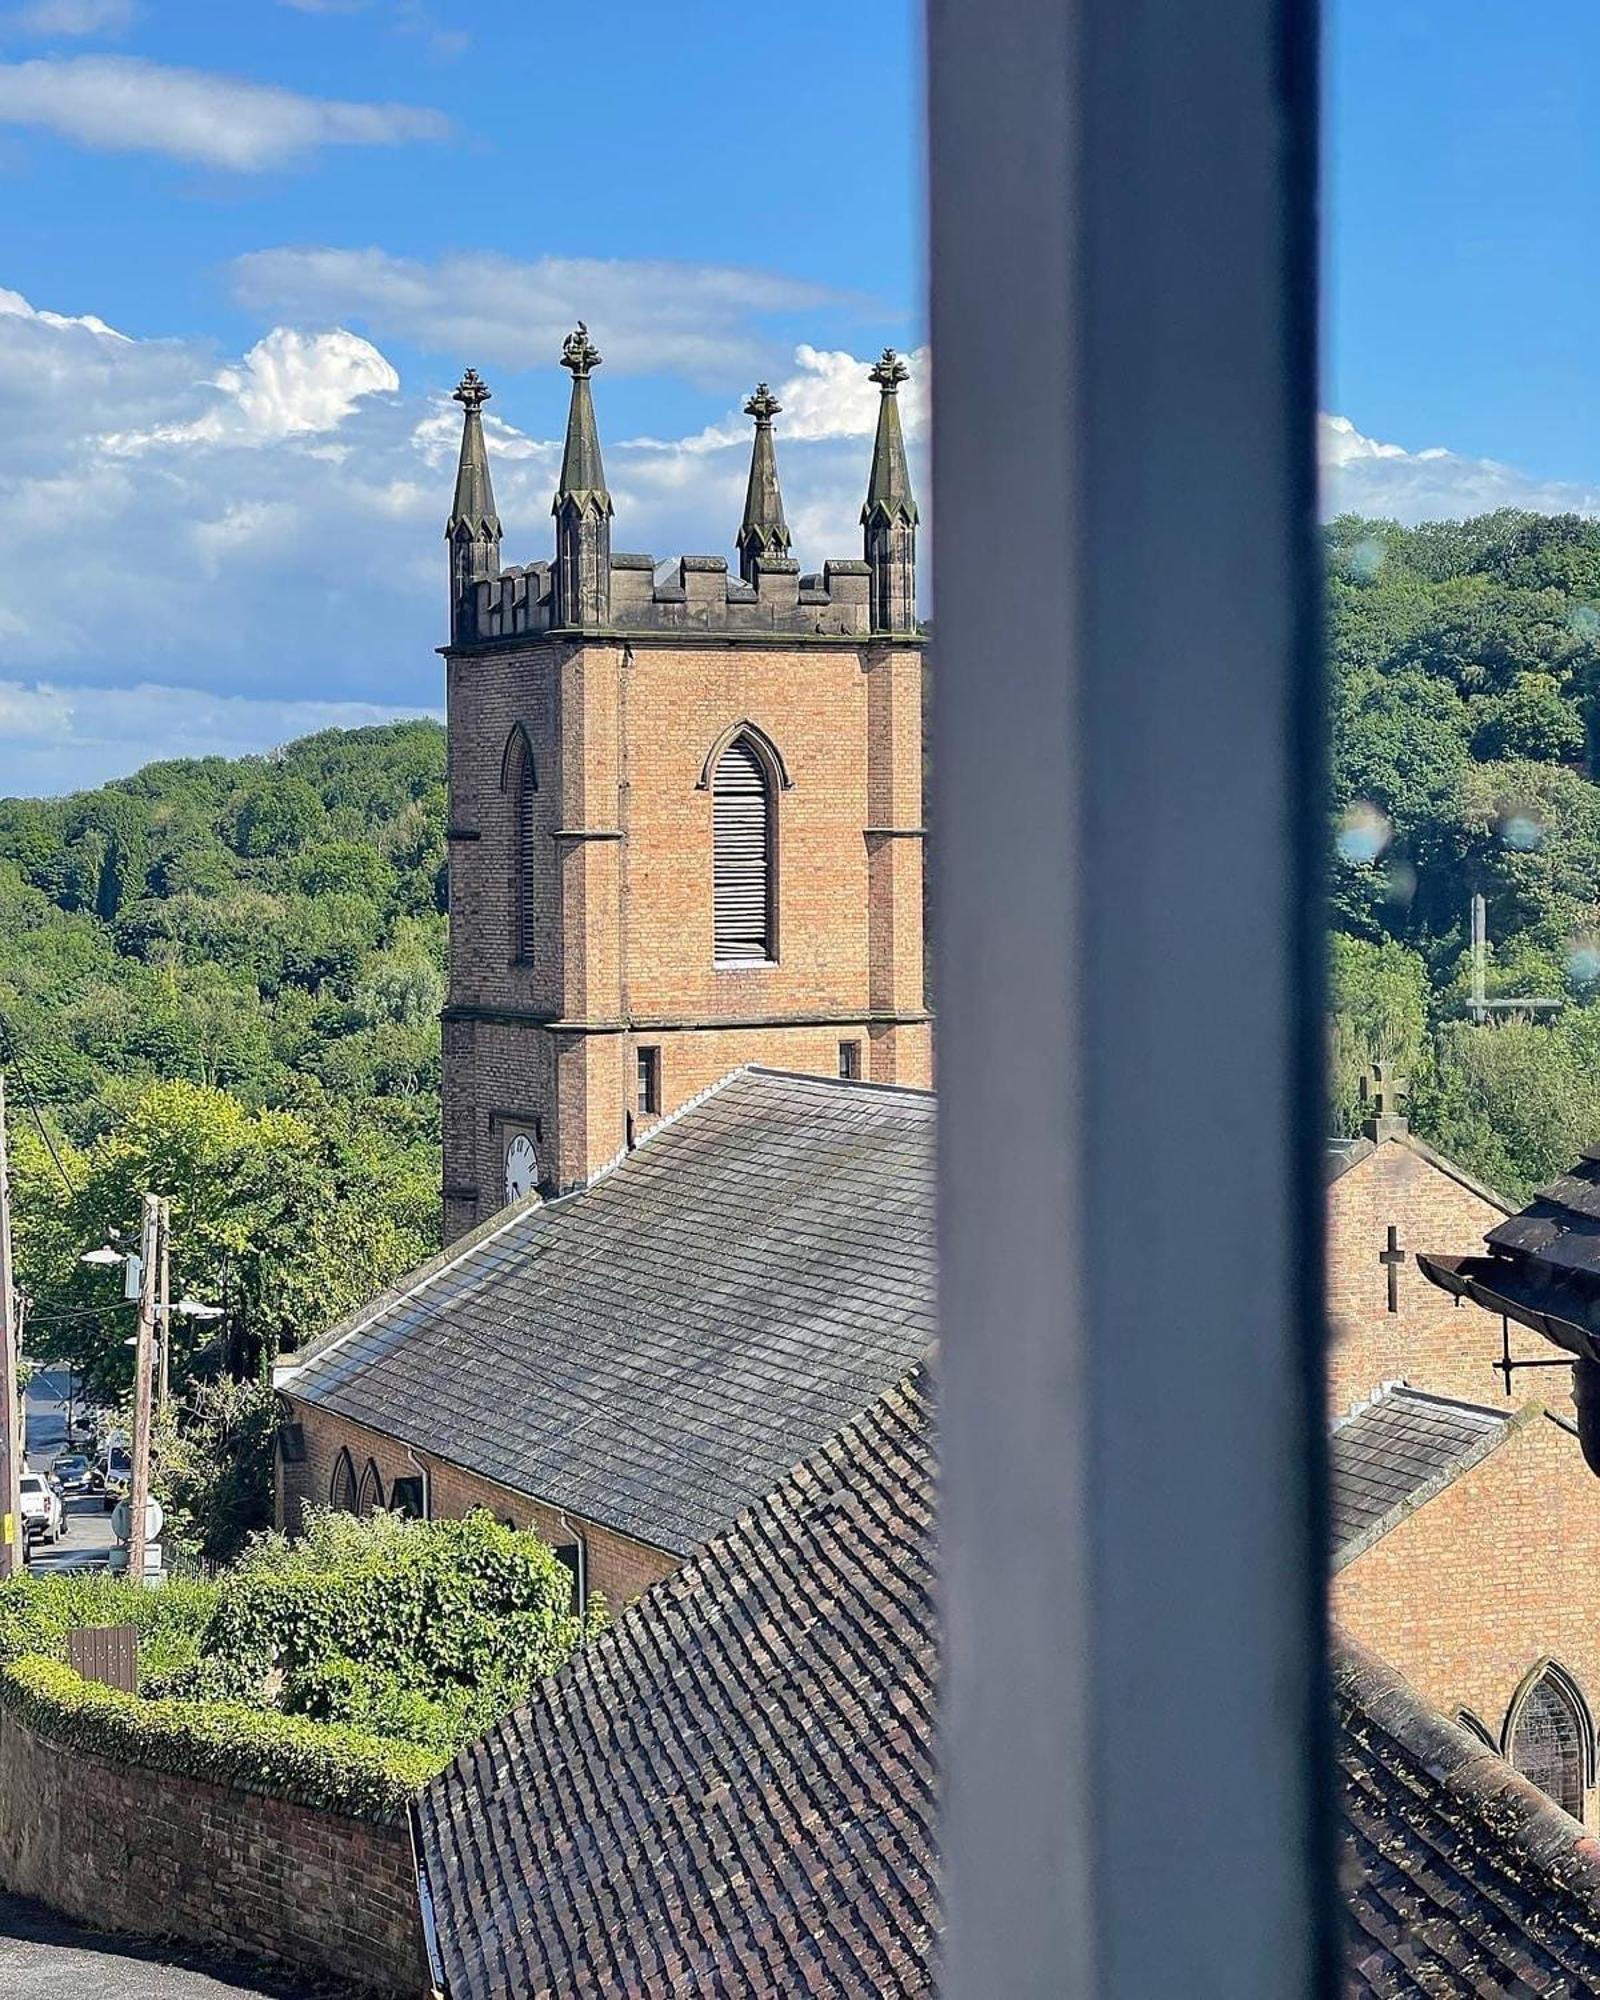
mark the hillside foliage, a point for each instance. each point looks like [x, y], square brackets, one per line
[221, 980]
[1465, 739]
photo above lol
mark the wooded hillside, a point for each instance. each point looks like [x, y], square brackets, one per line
[1465, 714]
[221, 979]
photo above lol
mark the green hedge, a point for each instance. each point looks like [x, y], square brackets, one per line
[223, 1743]
[38, 1611]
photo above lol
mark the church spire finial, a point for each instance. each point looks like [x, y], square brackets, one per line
[473, 529]
[889, 517]
[763, 531]
[582, 504]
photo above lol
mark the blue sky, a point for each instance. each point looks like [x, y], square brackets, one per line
[246, 250]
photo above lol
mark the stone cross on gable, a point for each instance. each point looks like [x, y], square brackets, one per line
[1384, 1092]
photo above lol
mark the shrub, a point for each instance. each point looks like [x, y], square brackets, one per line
[37, 1613]
[223, 1743]
[441, 1604]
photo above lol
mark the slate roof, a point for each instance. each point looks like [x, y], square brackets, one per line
[1397, 1453]
[731, 1791]
[1458, 1876]
[655, 1351]
[1543, 1269]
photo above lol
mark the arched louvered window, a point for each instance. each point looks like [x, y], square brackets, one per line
[742, 871]
[371, 1495]
[342, 1488]
[1548, 1743]
[523, 791]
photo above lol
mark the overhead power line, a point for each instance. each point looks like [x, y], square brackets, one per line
[14, 1052]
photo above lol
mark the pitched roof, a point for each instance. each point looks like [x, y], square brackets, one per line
[654, 1352]
[1458, 1876]
[1396, 1453]
[1543, 1269]
[732, 1789]
[1340, 1155]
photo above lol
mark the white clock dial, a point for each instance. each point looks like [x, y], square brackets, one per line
[522, 1168]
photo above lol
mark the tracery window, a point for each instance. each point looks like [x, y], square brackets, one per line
[371, 1495]
[1548, 1745]
[742, 864]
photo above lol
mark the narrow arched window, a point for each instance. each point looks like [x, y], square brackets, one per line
[1547, 1741]
[523, 790]
[742, 864]
[1474, 1727]
[371, 1495]
[342, 1487]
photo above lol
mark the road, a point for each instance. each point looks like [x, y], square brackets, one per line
[43, 1957]
[88, 1539]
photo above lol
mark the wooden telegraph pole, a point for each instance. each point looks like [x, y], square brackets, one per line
[11, 1550]
[143, 1354]
[164, 1304]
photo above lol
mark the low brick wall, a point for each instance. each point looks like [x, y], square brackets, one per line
[165, 1856]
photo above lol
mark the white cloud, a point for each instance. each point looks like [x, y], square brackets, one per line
[289, 384]
[56, 738]
[267, 531]
[70, 17]
[124, 104]
[1362, 475]
[699, 320]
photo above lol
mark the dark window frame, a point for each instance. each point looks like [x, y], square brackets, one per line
[647, 1080]
[342, 1484]
[734, 948]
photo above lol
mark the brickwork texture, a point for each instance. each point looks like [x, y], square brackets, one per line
[1473, 1592]
[1428, 1342]
[156, 1854]
[619, 1568]
[620, 735]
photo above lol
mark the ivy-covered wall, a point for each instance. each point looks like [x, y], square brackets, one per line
[160, 1853]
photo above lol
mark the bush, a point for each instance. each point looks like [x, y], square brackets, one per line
[37, 1613]
[442, 1605]
[223, 1743]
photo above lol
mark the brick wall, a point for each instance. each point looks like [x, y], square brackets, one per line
[149, 1852]
[620, 733]
[618, 1567]
[1429, 1342]
[1488, 1579]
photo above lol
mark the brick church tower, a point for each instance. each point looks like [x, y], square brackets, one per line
[685, 816]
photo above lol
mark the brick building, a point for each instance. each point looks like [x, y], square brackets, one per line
[685, 817]
[1466, 1544]
[1391, 1196]
[627, 1368]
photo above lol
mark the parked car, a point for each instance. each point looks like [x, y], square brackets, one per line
[70, 1470]
[44, 1518]
[113, 1475]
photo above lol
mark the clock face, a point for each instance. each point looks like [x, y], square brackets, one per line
[522, 1168]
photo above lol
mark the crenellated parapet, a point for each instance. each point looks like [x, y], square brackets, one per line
[693, 594]
[589, 589]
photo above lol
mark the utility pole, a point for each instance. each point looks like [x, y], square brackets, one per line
[164, 1302]
[139, 1489]
[11, 1551]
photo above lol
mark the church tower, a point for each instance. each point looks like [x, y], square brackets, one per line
[685, 819]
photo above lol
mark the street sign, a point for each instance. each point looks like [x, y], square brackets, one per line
[122, 1519]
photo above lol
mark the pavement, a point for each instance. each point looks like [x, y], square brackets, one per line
[44, 1957]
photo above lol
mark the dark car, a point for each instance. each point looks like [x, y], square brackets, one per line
[70, 1471]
